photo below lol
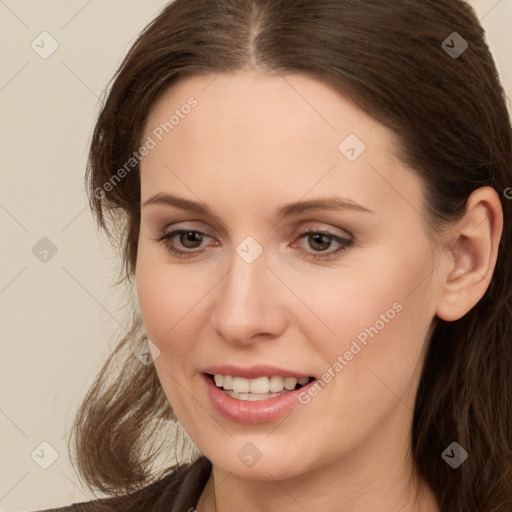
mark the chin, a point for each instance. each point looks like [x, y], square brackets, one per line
[256, 458]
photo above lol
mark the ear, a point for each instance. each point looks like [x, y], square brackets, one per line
[471, 254]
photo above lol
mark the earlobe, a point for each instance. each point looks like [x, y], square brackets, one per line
[471, 255]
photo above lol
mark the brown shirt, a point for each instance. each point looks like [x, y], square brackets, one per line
[177, 492]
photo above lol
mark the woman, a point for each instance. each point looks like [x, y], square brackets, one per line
[311, 198]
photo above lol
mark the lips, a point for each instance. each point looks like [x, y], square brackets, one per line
[254, 395]
[253, 372]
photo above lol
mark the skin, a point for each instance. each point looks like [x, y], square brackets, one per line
[253, 143]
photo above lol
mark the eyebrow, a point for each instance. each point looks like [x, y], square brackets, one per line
[287, 210]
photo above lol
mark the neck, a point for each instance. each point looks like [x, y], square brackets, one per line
[376, 476]
[224, 493]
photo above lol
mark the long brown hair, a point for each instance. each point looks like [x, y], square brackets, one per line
[453, 129]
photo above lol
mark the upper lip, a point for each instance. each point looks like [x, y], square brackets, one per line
[252, 372]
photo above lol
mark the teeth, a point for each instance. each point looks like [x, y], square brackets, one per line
[260, 386]
[276, 384]
[241, 385]
[290, 383]
[253, 397]
[227, 382]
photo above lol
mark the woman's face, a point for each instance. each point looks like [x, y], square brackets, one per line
[350, 305]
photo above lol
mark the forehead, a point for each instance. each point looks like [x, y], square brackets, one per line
[253, 136]
[251, 102]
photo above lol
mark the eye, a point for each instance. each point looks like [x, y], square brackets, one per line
[318, 240]
[185, 237]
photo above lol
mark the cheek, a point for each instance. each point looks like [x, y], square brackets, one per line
[165, 301]
[378, 318]
[166, 294]
[161, 309]
[172, 300]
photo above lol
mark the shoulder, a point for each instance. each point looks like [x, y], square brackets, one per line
[177, 491]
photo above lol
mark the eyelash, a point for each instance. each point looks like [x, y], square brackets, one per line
[165, 238]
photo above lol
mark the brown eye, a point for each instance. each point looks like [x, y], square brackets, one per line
[320, 241]
[190, 237]
[187, 238]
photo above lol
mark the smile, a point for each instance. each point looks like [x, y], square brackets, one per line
[261, 388]
[263, 394]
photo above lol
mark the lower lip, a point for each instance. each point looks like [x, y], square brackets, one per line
[260, 411]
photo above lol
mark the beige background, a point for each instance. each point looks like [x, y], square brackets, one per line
[60, 318]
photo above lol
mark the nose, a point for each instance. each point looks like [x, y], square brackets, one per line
[247, 305]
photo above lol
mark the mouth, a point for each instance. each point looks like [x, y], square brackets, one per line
[255, 394]
[260, 388]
